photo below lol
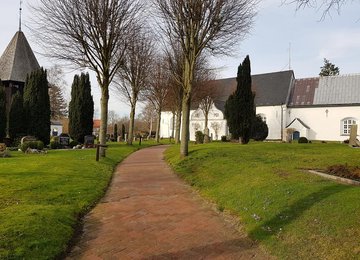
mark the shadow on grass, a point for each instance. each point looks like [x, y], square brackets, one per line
[278, 222]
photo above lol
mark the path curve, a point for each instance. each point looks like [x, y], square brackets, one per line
[149, 213]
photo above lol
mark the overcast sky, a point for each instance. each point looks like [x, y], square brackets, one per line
[276, 28]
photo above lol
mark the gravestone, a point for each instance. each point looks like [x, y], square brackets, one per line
[64, 140]
[3, 151]
[2, 148]
[353, 142]
[28, 139]
[89, 141]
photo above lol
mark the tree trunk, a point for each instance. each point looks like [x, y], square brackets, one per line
[131, 125]
[186, 102]
[158, 127]
[104, 117]
[206, 129]
[151, 126]
[178, 126]
[173, 125]
[184, 145]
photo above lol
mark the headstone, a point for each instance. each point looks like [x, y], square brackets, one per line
[64, 140]
[28, 139]
[2, 148]
[89, 141]
[3, 151]
[353, 135]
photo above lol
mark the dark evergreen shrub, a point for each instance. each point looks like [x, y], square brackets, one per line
[199, 137]
[39, 145]
[223, 138]
[259, 130]
[73, 143]
[303, 140]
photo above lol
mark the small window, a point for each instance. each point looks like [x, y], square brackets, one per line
[346, 125]
[263, 117]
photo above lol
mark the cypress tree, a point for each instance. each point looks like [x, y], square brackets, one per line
[16, 116]
[37, 105]
[81, 108]
[239, 108]
[2, 112]
[123, 132]
[115, 132]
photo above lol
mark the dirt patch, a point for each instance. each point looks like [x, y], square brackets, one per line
[344, 171]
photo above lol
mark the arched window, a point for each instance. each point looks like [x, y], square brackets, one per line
[263, 117]
[346, 124]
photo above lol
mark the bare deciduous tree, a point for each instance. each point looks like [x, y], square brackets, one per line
[88, 34]
[133, 75]
[148, 114]
[325, 5]
[213, 25]
[174, 100]
[58, 104]
[158, 90]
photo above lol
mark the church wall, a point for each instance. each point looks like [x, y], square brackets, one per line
[325, 123]
[274, 118]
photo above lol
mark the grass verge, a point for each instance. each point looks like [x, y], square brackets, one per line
[42, 197]
[294, 214]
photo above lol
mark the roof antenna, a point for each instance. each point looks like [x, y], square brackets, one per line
[289, 55]
[20, 9]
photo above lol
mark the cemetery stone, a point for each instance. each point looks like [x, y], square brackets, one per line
[89, 141]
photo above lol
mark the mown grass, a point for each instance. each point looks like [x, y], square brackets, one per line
[294, 214]
[42, 198]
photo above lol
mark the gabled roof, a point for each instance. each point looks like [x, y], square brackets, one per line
[303, 92]
[270, 89]
[328, 91]
[298, 120]
[17, 60]
[336, 90]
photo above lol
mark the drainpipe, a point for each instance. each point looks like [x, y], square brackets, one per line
[282, 123]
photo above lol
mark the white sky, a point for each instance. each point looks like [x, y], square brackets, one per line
[277, 26]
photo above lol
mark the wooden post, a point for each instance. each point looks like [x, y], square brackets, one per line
[98, 150]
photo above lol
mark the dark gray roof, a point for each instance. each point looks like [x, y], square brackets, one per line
[270, 89]
[17, 60]
[326, 91]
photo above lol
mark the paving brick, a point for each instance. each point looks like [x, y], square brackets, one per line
[149, 213]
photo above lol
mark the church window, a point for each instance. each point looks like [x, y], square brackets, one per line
[346, 124]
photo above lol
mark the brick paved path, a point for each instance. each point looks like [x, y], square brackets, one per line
[149, 213]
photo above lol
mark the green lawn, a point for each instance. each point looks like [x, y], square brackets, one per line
[43, 196]
[294, 214]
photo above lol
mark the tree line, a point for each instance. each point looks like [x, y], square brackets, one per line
[113, 39]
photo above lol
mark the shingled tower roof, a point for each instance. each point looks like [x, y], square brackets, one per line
[17, 60]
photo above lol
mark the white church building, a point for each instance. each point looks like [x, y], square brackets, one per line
[321, 108]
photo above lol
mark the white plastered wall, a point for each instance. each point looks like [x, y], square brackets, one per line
[324, 122]
[275, 116]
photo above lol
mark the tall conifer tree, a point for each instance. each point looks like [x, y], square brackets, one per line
[81, 108]
[3, 120]
[239, 108]
[37, 105]
[16, 116]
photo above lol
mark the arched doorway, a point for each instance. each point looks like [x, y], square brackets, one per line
[296, 135]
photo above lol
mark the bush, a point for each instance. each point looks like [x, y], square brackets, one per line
[259, 129]
[73, 143]
[39, 145]
[54, 144]
[199, 137]
[223, 138]
[303, 140]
